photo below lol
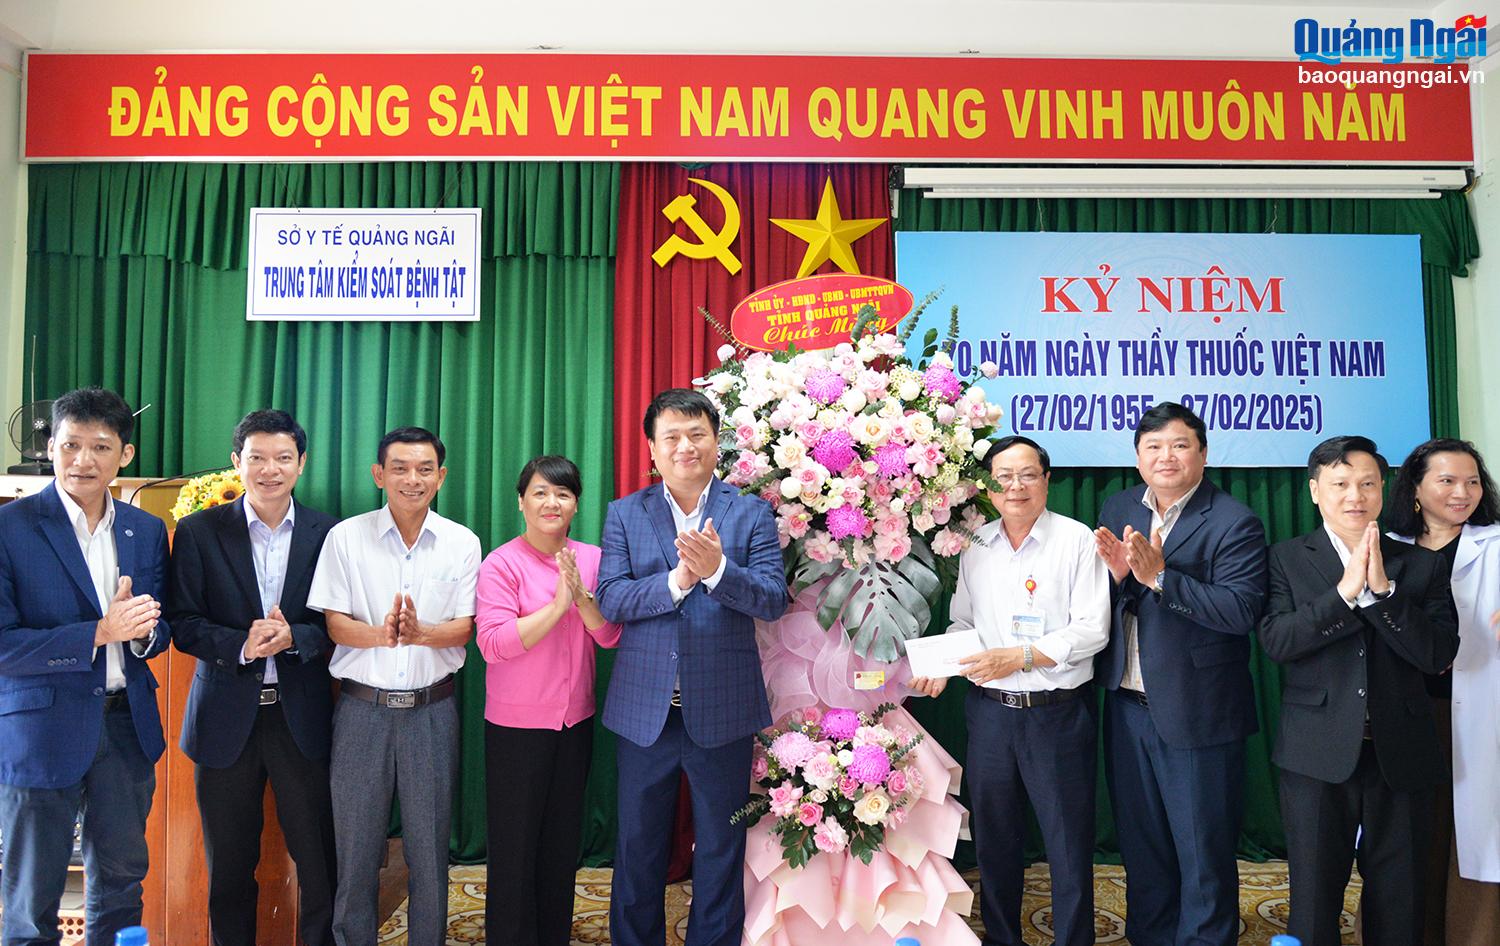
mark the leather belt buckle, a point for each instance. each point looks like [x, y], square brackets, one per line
[1013, 700]
[677, 698]
[269, 696]
[401, 699]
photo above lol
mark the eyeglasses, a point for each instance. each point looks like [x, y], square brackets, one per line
[1027, 479]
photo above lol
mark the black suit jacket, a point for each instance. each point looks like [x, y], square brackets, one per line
[1195, 636]
[213, 599]
[1342, 663]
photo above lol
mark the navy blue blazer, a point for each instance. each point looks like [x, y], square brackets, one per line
[51, 685]
[212, 600]
[1194, 637]
[708, 641]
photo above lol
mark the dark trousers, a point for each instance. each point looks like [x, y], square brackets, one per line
[230, 803]
[36, 824]
[1322, 821]
[719, 779]
[534, 801]
[1177, 813]
[1047, 754]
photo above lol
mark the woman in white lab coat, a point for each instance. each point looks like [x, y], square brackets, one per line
[1444, 500]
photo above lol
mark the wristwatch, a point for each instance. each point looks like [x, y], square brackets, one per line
[588, 595]
[1159, 585]
[1026, 663]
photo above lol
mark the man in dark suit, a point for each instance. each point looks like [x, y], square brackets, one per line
[687, 566]
[261, 703]
[81, 576]
[1356, 619]
[1188, 564]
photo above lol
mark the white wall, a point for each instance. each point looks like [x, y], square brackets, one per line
[12, 245]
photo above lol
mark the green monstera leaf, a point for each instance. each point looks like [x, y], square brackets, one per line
[881, 605]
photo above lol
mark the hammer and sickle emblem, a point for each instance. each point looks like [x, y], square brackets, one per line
[710, 245]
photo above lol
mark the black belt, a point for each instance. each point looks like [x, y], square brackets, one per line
[399, 699]
[1134, 696]
[269, 696]
[119, 699]
[1029, 699]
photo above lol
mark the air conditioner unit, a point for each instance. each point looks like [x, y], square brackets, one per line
[1066, 181]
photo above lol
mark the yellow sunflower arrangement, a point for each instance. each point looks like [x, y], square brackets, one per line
[207, 491]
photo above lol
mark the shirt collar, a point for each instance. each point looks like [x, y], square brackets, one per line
[385, 522]
[1148, 499]
[80, 519]
[251, 518]
[691, 512]
[1338, 544]
[992, 533]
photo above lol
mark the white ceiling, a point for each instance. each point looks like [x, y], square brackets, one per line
[1216, 28]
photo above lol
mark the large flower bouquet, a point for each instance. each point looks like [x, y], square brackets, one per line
[207, 491]
[834, 781]
[871, 464]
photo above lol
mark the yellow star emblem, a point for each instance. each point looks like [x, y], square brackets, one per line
[828, 235]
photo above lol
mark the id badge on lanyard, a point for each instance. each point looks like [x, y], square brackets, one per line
[1028, 623]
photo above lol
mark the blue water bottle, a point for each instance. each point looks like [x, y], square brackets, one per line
[132, 936]
[1285, 940]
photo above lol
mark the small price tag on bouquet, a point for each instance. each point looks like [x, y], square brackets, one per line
[869, 679]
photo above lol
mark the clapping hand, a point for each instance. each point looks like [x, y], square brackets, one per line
[699, 552]
[129, 617]
[1375, 576]
[1144, 556]
[1112, 550]
[392, 624]
[408, 629]
[569, 581]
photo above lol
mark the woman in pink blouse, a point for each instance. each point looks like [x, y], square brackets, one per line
[537, 626]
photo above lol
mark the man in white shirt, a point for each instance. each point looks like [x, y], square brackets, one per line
[397, 588]
[1038, 595]
[80, 583]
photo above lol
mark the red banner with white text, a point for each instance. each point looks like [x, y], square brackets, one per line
[372, 106]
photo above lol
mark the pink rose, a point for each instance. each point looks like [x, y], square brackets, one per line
[881, 490]
[890, 526]
[892, 548]
[947, 543]
[848, 785]
[896, 781]
[896, 818]
[784, 799]
[760, 766]
[812, 715]
[821, 547]
[809, 813]
[946, 414]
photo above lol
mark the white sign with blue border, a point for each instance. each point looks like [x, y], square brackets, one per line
[363, 265]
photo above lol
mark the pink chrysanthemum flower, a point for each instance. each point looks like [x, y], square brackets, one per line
[792, 749]
[848, 522]
[835, 450]
[826, 386]
[840, 723]
[870, 765]
[890, 460]
[941, 382]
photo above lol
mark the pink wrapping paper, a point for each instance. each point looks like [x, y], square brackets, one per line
[907, 889]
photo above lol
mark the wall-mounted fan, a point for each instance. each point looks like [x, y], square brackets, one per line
[30, 428]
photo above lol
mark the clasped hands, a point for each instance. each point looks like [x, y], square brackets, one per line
[699, 553]
[129, 617]
[570, 587]
[1366, 568]
[268, 636]
[401, 625]
[1131, 554]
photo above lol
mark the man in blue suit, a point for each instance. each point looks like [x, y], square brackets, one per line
[1188, 564]
[686, 568]
[261, 706]
[80, 584]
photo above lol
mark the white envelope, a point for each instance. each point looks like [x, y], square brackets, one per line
[939, 655]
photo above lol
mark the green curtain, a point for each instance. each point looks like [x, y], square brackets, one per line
[136, 281]
[1278, 496]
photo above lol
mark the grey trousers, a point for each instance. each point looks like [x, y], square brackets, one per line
[413, 753]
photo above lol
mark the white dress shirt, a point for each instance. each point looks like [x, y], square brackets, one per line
[1163, 521]
[363, 566]
[269, 548]
[685, 521]
[103, 561]
[1070, 590]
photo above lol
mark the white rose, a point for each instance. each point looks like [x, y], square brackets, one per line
[909, 389]
[725, 353]
[743, 416]
[942, 358]
[846, 757]
[789, 452]
[873, 807]
[853, 400]
[981, 447]
[897, 504]
[790, 488]
[921, 427]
